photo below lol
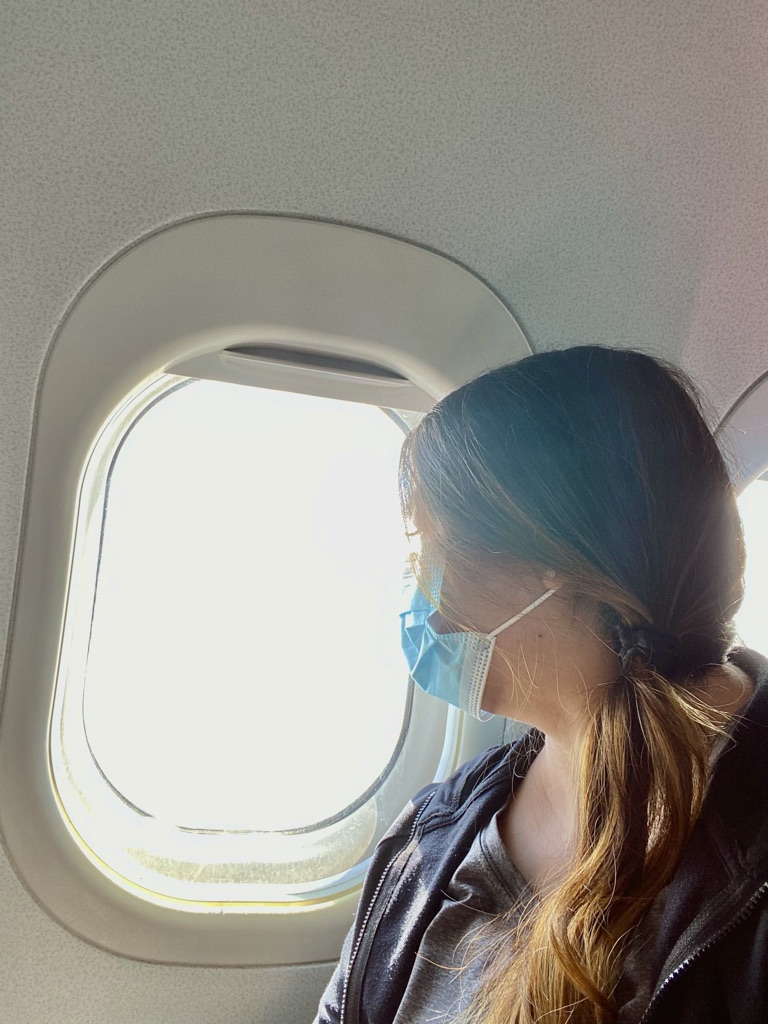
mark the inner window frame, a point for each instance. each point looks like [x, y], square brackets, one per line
[71, 680]
[364, 295]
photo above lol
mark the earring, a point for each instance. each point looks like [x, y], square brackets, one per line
[550, 574]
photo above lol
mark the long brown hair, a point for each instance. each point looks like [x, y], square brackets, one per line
[597, 463]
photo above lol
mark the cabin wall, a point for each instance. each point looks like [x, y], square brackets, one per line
[601, 165]
[48, 976]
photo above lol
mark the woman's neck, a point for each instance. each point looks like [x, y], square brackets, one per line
[538, 825]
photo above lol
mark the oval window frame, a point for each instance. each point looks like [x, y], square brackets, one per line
[190, 291]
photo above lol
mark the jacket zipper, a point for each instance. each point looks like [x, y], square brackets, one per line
[745, 911]
[350, 997]
[351, 994]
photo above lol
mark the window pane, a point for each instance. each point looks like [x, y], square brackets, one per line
[244, 669]
[752, 620]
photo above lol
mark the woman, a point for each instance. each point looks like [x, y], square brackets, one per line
[611, 865]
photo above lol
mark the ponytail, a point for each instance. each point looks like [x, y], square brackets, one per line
[644, 768]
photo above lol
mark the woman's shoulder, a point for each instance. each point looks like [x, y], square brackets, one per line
[738, 789]
[754, 666]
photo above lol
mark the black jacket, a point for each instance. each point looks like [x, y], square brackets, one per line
[711, 952]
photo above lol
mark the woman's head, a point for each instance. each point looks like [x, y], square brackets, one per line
[594, 462]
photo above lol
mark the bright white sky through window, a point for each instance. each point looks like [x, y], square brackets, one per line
[752, 620]
[245, 669]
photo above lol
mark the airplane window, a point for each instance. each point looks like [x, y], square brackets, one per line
[752, 620]
[242, 673]
[208, 723]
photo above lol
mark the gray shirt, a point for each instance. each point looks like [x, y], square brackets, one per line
[456, 946]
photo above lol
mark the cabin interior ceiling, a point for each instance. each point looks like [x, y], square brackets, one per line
[602, 164]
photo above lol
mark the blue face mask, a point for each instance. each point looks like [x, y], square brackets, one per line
[452, 666]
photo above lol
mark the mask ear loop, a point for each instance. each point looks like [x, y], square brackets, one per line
[516, 618]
